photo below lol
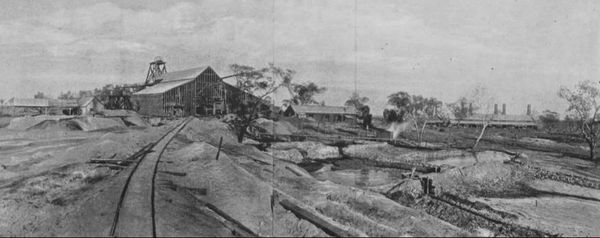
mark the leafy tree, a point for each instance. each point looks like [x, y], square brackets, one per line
[67, 95]
[390, 115]
[583, 108]
[415, 106]
[39, 95]
[85, 93]
[460, 108]
[257, 85]
[303, 94]
[549, 119]
[356, 101]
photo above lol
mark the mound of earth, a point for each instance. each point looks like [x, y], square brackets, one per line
[135, 120]
[227, 186]
[312, 150]
[390, 153]
[4, 121]
[275, 127]
[52, 125]
[98, 123]
[488, 176]
[292, 155]
[118, 113]
[23, 123]
[209, 131]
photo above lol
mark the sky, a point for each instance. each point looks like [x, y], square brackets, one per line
[522, 52]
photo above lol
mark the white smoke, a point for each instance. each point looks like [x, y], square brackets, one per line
[397, 127]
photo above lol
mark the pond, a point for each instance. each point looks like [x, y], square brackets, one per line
[353, 172]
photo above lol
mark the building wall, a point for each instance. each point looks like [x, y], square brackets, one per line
[327, 117]
[206, 95]
[210, 94]
[179, 101]
[149, 104]
[95, 105]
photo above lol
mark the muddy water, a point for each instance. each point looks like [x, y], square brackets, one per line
[353, 172]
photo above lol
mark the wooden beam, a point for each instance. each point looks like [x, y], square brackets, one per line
[308, 213]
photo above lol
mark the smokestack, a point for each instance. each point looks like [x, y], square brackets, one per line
[495, 109]
[462, 106]
[503, 108]
[528, 109]
[471, 109]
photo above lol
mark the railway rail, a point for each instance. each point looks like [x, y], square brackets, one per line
[135, 212]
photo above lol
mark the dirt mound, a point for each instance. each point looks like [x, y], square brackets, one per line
[489, 177]
[275, 127]
[312, 150]
[4, 121]
[22, 123]
[135, 120]
[209, 131]
[462, 160]
[228, 187]
[386, 152]
[156, 121]
[110, 149]
[292, 155]
[54, 125]
[98, 123]
[118, 113]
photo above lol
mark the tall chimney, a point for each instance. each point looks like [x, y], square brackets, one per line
[495, 109]
[528, 109]
[471, 109]
[503, 108]
[462, 106]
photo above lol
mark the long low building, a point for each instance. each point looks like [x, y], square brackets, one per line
[196, 91]
[322, 113]
[35, 106]
[497, 120]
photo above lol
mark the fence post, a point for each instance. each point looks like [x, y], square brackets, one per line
[219, 150]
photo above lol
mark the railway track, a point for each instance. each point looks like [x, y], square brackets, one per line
[135, 212]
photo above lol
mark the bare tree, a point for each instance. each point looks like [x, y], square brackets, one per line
[478, 99]
[584, 107]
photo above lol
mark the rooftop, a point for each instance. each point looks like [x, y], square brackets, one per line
[317, 109]
[183, 74]
[162, 87]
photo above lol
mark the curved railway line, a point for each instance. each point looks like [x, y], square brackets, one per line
[135, 212]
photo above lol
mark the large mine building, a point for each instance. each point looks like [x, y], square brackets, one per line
[196, 91]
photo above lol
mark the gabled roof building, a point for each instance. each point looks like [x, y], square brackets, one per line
[196, 91]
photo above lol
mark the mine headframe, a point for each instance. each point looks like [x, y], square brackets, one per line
[156, 70]
[119, 97]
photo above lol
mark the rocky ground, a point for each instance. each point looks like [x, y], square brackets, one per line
[511, 185]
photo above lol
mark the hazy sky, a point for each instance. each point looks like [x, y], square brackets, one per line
[522, 51]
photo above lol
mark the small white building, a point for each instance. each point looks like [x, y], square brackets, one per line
[90, 105]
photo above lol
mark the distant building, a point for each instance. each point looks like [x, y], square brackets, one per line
[37, 106]
[25, 106]
[498, 119]
[89, 105]
[196, 91]
[322, 113]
